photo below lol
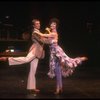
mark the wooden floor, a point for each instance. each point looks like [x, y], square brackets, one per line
[84, 83]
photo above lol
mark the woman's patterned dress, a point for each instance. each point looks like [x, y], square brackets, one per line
[69, 63]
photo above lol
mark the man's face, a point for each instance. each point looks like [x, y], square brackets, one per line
[37, 25]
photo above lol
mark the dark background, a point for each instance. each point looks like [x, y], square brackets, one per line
[79, 31]
[79, 23]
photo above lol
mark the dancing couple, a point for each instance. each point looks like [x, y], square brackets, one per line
[60, 63]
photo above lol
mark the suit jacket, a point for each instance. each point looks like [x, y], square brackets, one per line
[37, 47]
[43, 40]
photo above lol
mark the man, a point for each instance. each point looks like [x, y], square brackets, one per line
[35, 53]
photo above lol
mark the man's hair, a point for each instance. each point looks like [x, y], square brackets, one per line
[55, 20]
[34, 20]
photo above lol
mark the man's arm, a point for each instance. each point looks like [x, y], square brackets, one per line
[41, 39]
[50, 35]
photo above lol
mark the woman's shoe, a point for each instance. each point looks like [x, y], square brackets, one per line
[84, 58]
[58, 92]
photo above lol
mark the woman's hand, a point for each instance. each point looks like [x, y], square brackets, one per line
[47, 29]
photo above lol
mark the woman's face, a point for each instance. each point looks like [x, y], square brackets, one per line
[53, 25]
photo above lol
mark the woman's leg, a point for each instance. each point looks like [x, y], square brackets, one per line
[58, 76]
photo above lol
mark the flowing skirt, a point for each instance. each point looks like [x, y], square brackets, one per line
[69, 63]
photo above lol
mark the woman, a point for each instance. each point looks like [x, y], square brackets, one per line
[60, 63]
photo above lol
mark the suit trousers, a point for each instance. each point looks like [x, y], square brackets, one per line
[31, 83]
[21, 60]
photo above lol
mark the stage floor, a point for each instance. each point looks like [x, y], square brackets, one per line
[84, 83]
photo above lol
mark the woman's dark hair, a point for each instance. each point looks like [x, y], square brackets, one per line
[55, 20]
